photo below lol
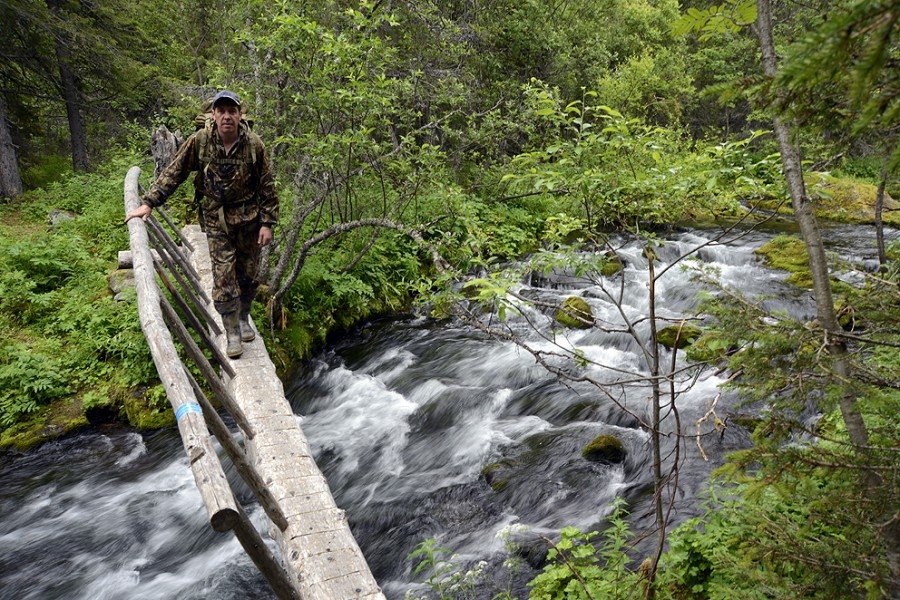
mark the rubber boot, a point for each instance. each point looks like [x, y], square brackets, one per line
[232, 324]
[247, 333]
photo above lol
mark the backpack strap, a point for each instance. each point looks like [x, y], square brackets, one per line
[205, 157]
[252, 149]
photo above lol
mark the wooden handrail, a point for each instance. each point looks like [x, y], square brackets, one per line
[225, 514]
[208, 474]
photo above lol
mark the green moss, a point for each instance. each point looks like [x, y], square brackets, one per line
[684, 334]
[840, 199]
[52, 421]
[292, 344]
[575, 312]
[748, 422]
[612, 265]
[788, 253]
[149, 410]
[493, 472]
[604, 448]
[847, 200]
[785, 252]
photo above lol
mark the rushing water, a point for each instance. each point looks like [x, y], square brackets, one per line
[403, 416]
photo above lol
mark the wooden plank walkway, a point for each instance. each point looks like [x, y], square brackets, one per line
[320, 559]
[318, 549]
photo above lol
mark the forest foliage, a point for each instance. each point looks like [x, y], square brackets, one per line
[417, 143]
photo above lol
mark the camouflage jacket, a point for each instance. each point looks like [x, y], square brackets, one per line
[240, 181]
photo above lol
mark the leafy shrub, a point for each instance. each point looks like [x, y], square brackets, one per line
[27, 379]
[576, 570]
[800, 538]
[445, 576]
[54, 295]
[47, 263]
[867, 168]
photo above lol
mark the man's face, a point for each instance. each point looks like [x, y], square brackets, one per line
[227, 116]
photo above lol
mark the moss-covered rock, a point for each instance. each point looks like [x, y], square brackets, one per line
[52, 421]
[848, 201]
[576, 313]
[605, 448]
[785, 252]
[120, 280]
[748, 422]
[684, 335]
[788, 253]
[497, 475]
[612, 265]
[840, 200]
[144, 413]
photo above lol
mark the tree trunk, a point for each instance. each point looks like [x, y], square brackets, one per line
[70, 97]
[10, 179]
[825, 312]
[655, 435]
[812, 238]
[879, 208]
[68, 86]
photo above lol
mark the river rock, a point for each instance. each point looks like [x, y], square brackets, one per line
[612, 265]
[576, 313]
[684, 334]
[57, 217]
[605, 449]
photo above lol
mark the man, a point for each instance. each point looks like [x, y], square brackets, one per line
[239, 208]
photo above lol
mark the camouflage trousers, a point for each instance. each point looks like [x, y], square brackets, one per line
[234, 253]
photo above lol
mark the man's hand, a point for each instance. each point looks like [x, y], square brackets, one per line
[142, 212]
[265, 235]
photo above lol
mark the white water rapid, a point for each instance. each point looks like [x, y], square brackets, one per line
[403, 416]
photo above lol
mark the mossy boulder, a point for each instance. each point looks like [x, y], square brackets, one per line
[612, 265]
[785, 252]
[848, 201]
[606, 449]
[144, 415]
[840, 200]
[576, 313]
[788, 253]
[683, 335]
[120, 280]
[497, 475]
[59, 418]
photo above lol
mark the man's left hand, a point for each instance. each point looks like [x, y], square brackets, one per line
[265, 235]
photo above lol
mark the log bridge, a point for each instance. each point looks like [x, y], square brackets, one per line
[319, 557]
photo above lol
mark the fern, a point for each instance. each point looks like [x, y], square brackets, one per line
[27, 380]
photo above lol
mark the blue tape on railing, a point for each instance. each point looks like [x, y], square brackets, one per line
[190, 407]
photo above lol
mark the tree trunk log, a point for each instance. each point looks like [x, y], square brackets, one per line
[163, 145]
[852, 416]
[812, 238]
[10, 179]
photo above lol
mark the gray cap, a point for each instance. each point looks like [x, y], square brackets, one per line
[226, 95]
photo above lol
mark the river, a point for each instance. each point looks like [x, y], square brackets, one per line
[403, 416]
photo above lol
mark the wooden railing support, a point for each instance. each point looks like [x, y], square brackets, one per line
[208, 474]
[218, 388]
